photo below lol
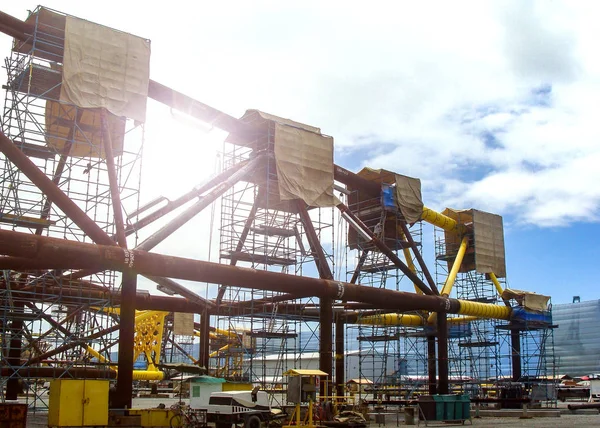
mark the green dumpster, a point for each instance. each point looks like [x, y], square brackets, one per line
[439, 407]
[465, 401]
[449, 405]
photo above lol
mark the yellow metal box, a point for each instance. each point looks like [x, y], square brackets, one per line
[78, 403]
[157, 417]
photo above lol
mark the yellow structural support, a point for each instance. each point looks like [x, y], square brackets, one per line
[408, 257]
[443, 221]
[496, 283]
[484, 310]
[455, 267]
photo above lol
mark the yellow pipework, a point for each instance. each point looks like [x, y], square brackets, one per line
[455, 267]
[137, 374]
[484, 310]
[221, 349]
[442, 221]
[496, 283]
[392, 319]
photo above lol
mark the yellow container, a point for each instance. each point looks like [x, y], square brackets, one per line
[155, 417]
[237, 386]
[78, 403]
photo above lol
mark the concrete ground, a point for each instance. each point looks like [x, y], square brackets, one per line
[587, 418]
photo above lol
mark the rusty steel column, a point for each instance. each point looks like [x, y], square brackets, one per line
[113, 182]
[204, 358]
[442, 328]
[357, 223]
[53, 192]
[202, 203]
[419, 258]
[14, 351]
[325, 303]
[515, 354]
[359, 265]
[431, 363]
[340, 381]
[124, 391]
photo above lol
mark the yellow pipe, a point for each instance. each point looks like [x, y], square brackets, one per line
[392, 319]
[442, 221]
[137, 374]
[484, 310]
[221, 349]
[455, 267]
[496, 283]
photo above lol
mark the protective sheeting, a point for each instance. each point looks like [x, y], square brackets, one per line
[486, 254]
[105, 68]
[304, 162]
[183, 324]
[86, 139]
[408, 197]
[527, 299]
[577, 338]
[489, 243]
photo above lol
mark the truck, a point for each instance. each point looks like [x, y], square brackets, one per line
[250, 408]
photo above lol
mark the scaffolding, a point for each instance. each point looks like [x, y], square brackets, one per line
[265, 333]
[60, 313]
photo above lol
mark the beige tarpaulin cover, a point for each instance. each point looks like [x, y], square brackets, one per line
[183, 324]
[106, 68]
[87, 136]
[527, 299]
[304, 165]
[489, 243]
[408, 197]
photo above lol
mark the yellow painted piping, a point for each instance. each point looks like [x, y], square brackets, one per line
[452, 275]
[442, 221]
[392, 319]
[137, 374]
[455, 267]
[484, 310]
[496, 283]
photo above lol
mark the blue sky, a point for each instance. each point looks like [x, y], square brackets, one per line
[493, 105]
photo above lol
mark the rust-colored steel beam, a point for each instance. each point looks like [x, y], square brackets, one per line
[419, 257]
[359, 265]
[431, 366]
[325, 303]
[357, 223]
[195, 192]
[53, 192]
[124, 388]
[202, 203]
[113, 181]
[72, 344]
[182, 291]
[104, 257]
[14, 351]
[442, 354]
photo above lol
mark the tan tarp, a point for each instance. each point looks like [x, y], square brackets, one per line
[527, 299]
[105, 68]
[183, 324]
[489, 243]
[304, 162]
[87, 136]
[408, 197]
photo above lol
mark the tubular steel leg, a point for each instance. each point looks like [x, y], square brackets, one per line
[126, 339]
[204, 358]
[515, 354]
[325, 303]
[431, 365]
[339, 356]
[442, 326]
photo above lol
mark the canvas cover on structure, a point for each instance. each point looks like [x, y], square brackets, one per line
[105, 68]
[183, 324]
[527, 299]
[86, 138]
[408, 197]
